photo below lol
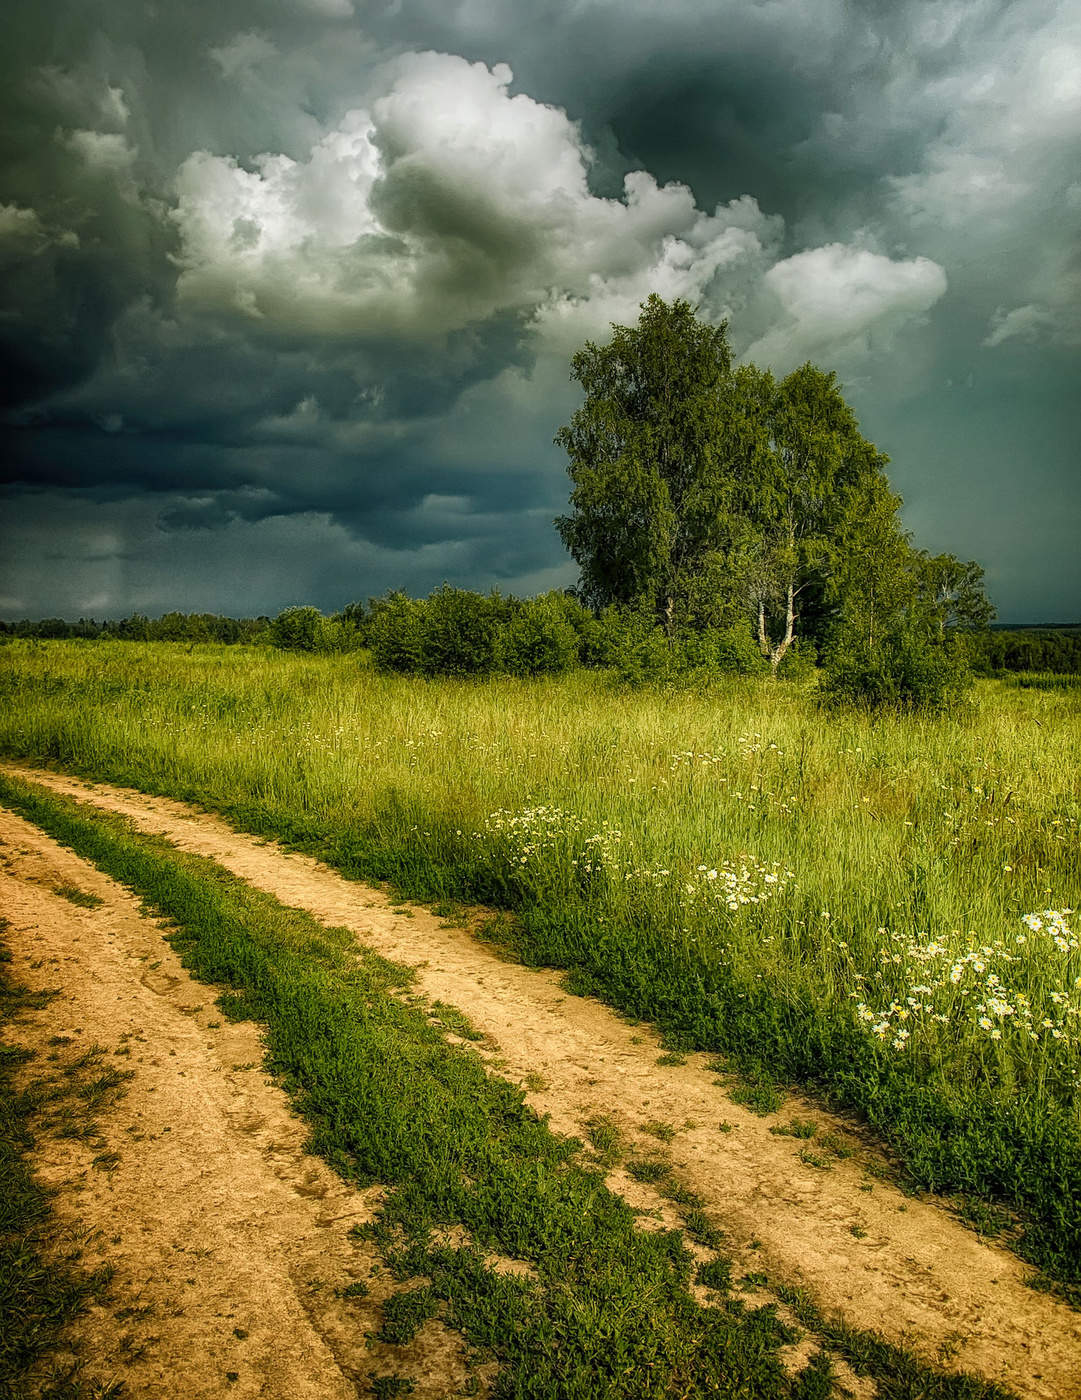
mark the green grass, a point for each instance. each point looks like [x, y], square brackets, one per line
[607, 1312]
[43, 1287]
[588, 812]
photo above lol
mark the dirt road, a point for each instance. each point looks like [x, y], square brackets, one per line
[253, 1220]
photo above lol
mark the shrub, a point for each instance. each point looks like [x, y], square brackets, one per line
[537, 639]
[643, 654]
[461, 632]
[908, 668]
[395, 633]
[297, 629]
[306, 629]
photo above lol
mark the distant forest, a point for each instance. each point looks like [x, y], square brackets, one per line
[1048, 648]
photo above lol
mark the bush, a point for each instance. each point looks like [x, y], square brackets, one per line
[395, 633]
[461, 632]
[537, 638]
[908, 668]
[643, 654]
[799, 661]
[297, 629]
[306, 629]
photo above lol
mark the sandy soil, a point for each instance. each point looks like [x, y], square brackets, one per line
[241, 1183]
[230, 1243]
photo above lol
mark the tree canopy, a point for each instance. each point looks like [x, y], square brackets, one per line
[706, 494]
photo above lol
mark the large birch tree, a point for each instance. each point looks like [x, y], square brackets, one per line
[704, 493]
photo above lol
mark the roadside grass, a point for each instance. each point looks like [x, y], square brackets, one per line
[607, 822]
[605, 1309]
[43, 1288]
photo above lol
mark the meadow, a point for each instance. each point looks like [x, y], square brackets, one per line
[877, 909]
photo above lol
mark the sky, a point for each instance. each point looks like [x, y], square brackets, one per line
[289, 289]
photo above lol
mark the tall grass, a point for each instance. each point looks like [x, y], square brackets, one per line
[915, 847]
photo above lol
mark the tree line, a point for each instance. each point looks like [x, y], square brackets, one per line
[613, 639]
[170, 627]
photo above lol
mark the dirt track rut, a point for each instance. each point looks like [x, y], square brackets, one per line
[902, 1267]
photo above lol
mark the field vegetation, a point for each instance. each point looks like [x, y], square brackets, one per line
[472, 1181]
[880, 908]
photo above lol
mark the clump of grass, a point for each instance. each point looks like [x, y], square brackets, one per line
[83, 898]
[648, 1170]
[663, 1131]
[811, 1158]
[451, 1019]
[404, 1314]
[760, 1095]
[796, 1127]
[606, 1138]
[715, 1274]
[389, 1387]
[701, 1229]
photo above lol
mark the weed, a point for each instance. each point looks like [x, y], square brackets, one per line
[760, 1096]
[405, 1313]
[83, 898]
[836, 1145]
[810, 1158]
[648, 1169]
[387, 1387]
[715, 1274]
[607, 1139]
[451, 1019]
[797, 1128]
[702, 1231]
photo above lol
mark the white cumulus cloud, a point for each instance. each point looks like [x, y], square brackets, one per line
[834, 298]
[448, 199]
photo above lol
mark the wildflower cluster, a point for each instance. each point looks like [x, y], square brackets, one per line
[735, 884]
[528, 832]
[980, 988]
[556, 836]
[694, 758]
[531, 832]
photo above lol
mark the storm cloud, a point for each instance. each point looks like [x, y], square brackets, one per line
[291, 289]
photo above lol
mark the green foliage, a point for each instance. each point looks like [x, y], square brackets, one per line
[645, 459]
[647, 655]
[306, 629]
[460, 633]
[705, 496]
[907, 668]
[171, 627]
[538, 637]
[396, 633]
[1056, 650]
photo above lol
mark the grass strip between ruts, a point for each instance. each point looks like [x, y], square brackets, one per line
[607, 1311]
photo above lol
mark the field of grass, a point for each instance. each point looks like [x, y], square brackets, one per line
[604, 1308]
[829, 901]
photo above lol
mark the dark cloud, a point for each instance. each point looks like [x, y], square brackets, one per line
[290, 288]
